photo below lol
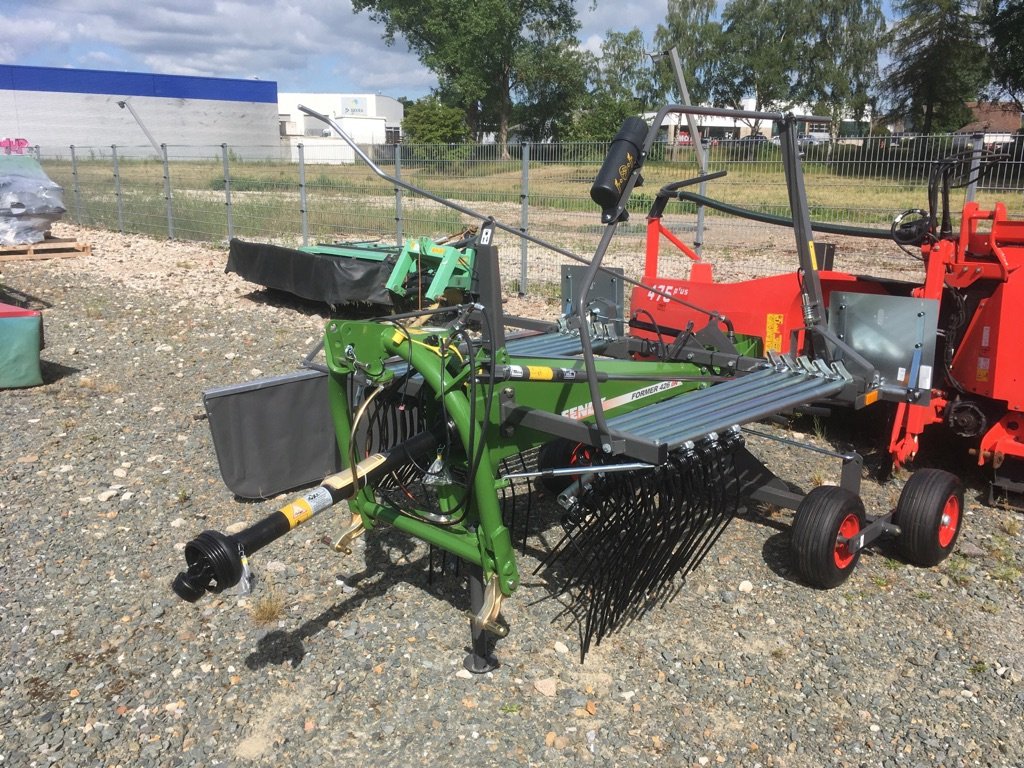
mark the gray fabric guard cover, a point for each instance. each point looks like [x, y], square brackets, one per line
[272, 435]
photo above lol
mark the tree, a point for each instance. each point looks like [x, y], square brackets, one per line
[478, 50]
[760, 48]
[428, 121]
[551, 87]
[1005, 22]
[622, 84]
[939, 62]
[690, 27]
[840, 61]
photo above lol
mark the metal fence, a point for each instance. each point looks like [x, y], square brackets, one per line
[216, 193]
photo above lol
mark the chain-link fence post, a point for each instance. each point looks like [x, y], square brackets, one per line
[227, 191]
[977, 142]
[117, 190]
[302, 194]
[524, 217]
[398, 195]
[167, 193]
[76, 187]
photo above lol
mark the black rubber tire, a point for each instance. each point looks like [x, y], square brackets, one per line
[558, 453]
[930, 514]
[820, 517]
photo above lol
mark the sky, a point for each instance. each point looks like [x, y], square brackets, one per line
[303, 45]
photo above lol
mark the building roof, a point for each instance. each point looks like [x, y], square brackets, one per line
[95, 81]
[993, 117]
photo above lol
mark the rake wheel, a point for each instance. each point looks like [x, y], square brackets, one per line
[826, 520]
[929, 514]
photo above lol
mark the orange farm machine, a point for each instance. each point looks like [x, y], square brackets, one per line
[971, 379]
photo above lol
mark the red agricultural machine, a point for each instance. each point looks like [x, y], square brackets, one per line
[972, 380]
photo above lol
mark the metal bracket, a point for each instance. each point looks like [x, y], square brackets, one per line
[352, 531]
[867, 536]
[487, 619]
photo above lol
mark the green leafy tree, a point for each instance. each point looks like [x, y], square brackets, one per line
[839, 65]
[478, 49]
[691, 28]
[1005, 22]
[621, 84]
[552, 85]
[760, 49]
[939, 62]
[778, 53]
[428, 121]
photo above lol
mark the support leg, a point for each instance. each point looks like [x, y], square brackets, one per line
[480, 659]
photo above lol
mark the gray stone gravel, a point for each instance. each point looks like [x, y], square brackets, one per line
[108, 469]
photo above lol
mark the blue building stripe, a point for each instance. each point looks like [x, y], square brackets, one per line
[58, 80]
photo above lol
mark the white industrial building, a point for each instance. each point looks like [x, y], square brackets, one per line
[55, 108]
[366, 117]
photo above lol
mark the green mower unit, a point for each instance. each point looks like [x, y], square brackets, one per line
[420, 274]
[423, 270]
[443, 428]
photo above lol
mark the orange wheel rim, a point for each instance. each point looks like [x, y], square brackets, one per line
[949, 521]
[849, 528]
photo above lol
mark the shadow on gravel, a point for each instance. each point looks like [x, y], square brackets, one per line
[382, 550]
[284, 300]
[9, 295]
[53, 372]
[778, 556]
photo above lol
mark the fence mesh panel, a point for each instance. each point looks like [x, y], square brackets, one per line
[328, 197]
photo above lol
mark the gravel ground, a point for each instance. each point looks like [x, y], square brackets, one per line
[109, 468]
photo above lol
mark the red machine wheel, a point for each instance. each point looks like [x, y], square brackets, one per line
[930, 513]
[826, 519]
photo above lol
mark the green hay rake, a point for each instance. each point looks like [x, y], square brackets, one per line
[641, 440]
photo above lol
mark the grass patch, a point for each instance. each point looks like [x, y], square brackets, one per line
[268, 607]
[956, 568]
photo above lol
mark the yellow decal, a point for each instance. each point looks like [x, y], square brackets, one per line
[624, 170]
[982, 372]
[299, 511]
[540, 373]
[773, 331]
[814, 256]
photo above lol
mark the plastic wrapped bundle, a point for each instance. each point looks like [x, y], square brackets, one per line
[29, 201]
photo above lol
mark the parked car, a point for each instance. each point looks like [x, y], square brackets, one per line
[801, 141]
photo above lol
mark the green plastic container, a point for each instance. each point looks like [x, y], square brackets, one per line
[21, 332]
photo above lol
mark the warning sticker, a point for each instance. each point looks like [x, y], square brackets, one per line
[982, 372]
[299, 511]
[773, 331]
[540, 373]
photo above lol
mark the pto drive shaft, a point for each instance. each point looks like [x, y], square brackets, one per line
[215, 560]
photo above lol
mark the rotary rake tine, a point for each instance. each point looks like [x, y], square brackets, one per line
[631, 534]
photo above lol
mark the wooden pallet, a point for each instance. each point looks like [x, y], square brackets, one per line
[50, 248]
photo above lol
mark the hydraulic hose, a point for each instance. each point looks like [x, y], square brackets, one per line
[785, 221]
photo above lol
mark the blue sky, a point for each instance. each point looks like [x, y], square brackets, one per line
[303, 45]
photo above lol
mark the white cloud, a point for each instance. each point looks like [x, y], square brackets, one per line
[302, 44]
[609, 15]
